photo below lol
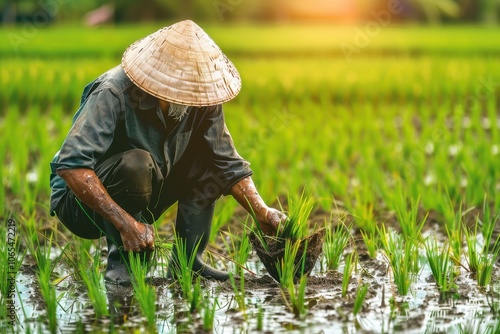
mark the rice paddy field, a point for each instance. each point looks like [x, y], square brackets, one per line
[387, 139]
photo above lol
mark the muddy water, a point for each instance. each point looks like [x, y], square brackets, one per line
[469, 310]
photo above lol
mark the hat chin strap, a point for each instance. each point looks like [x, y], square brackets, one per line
[177, 111]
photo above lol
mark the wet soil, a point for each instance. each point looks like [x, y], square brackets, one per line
[468, 308]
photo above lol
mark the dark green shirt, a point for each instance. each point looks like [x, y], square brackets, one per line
[116, 116]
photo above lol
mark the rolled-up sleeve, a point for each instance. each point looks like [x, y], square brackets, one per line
[92, 131]
[224, 160]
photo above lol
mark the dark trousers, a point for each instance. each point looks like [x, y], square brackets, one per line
[132, 179]
[135, 182]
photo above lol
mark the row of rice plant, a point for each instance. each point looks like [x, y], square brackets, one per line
[44, 83]
[248, 39]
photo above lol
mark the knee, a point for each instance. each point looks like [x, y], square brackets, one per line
[134, 173]
[137, 162]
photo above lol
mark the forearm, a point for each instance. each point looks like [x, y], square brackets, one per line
[246, 194]
[89, 189]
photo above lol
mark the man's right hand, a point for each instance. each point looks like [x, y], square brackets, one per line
[137, 237]
[88, 188]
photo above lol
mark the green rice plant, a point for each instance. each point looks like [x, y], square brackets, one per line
[473, 251]
[296, 226]
[224, 212]
[93, 278]
[239, 248]
[481, 260]
[209, 309]
[196, 297]
[144, 293]
[454, 227]
[362, 211]
[360, 298]
[486, 264]
[488, 224]
[296, 295]
[182, 271]
[442, 267]
[407, 214]
[239, 292]
[371, 240]
[350, 264]
[493, 328]
[260, 318]
[403, 258]
[336, 241]
[42, 256]
[287, 270]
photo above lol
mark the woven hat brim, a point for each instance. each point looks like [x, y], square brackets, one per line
[181, 64]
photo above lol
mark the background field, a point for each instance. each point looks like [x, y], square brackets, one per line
[411, 119]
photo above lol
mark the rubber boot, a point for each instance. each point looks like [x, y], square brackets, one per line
[118, 268]
[193, 226]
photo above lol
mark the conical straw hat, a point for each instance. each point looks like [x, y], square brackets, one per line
[182, 64]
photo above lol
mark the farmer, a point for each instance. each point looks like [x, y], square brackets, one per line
[150, 133]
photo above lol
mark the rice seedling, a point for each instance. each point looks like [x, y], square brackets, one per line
[286, 267]
[481, 260]
[473, 251]
[209, 309]
[403, 258]
[144, 293]
[239, 292]
[486, 265]
[296, 297]
[196, 297]
[94, 281]
[336, 241]
[360, 298]
[260, 319]
[407, 214]
[239, 249]
[296, 226]
[42, 255]
[181, 268]
[371, 241]
[442, 267]
[222, 216]
[349, 266]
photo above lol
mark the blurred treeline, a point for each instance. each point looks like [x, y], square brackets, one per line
[118, 11]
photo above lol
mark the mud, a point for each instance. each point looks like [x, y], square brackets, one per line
[424, 310]
[468, 309]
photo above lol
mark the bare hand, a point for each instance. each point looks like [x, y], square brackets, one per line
[137, 237]
[270, 220]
